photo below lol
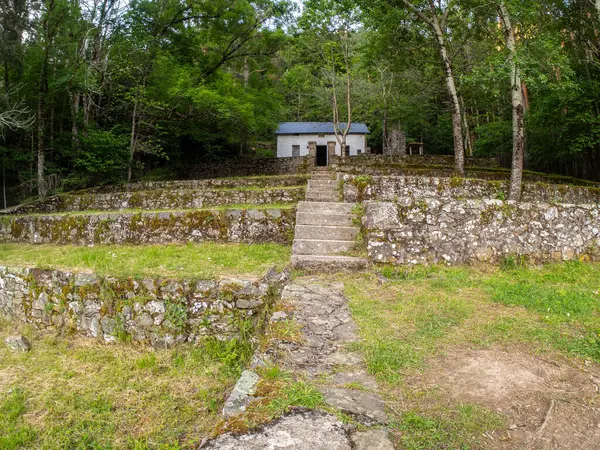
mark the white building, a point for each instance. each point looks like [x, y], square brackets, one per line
[318, 139]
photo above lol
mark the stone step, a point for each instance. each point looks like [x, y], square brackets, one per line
[320, 247]
[328, 264]
[326, 189]
[322, 176]
[324, 218]
[323, 196]
[327, 233]
[326, 207]
[322, 183]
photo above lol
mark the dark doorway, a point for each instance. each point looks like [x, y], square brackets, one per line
[321, 155]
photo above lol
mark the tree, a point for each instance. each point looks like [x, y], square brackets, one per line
[518, 111]
[437, 25]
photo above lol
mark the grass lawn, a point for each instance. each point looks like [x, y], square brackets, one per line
[202, 261]
[75, 393]
[419, 325]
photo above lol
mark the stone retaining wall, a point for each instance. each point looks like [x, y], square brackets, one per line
[367, 160]
[454, 232]
[161, 312]
[448, 172]
[248, 167]
[388, 188]
[213, 183]
[162, 199]
[247, 225]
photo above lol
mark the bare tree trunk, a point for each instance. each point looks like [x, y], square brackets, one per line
[87, 104]
[41, 148]
[457, 132]
[516, 176]
[74, 126]
[340, 134]
[468, 140]
[132, 141]
[246, 71]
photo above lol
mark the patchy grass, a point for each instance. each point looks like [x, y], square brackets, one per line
[206, 260]
[81, 394]
[420, 314]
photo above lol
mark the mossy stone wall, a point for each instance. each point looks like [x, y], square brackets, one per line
[424, 231]
[161, 312]
[176, 199]
[388, 188]
[241, 225]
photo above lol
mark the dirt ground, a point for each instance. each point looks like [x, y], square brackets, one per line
[546, 403]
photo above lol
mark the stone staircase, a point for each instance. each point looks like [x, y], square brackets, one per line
[325, 231]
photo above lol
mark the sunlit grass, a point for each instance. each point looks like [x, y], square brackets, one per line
[207, 260]
[419, 313]
[75, 393]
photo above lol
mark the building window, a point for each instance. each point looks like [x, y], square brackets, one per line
[347, 150]
[359, 151]
[295, 150]
[321, 135]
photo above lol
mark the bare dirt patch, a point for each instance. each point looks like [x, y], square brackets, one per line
[547, 404]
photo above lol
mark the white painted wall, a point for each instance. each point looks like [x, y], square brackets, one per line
[285, 142]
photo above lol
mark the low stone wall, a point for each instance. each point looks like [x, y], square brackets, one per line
[162, 199]
[157, 311]
[388, 188]
[246, 225]
[448, 172]
[454, 232]
[248, 167]
[212, 183]
[367, 160]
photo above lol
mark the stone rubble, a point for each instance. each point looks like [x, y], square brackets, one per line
[18, 343]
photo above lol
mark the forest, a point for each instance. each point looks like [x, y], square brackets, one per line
[104, 91]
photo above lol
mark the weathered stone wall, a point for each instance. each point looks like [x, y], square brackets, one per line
[248, 167]
[454, 232]
[370, 160]
[213, 183]
[162, 199]
[448, 172]
[388, 188]
[247, 225]
[157, 311]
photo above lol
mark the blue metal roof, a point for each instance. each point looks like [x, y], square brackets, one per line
[318, 128]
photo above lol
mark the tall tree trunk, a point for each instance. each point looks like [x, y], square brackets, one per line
[41, 148]
[74, 126]
[457, 131]
[468, 138]
[132, 140]
[516, 176]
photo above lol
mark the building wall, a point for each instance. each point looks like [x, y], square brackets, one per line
[286, 141]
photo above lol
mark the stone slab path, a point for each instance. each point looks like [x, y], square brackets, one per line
[322, 356]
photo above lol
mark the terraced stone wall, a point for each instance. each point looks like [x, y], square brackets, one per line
[235, 225]
[367, 160]
[453, 231]
[162, 199]
[248, 167]
[388, 188]
[213, 183]
[156, 311]
[448, 172]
